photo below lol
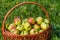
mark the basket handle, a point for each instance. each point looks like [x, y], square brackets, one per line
[5, 18]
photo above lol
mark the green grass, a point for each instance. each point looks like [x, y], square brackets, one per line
[52, 6]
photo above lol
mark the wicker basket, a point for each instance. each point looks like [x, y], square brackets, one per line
[40, 36]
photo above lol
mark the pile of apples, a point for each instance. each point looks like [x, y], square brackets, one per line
[28, 26]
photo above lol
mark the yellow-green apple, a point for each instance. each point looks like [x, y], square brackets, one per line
[46, 21]
[24, 33]
[11, 26]
[6, 26]
[14, 31]
[36, 26]
[31, 20]
[27, 26]
[33, 31]
[20, 27]
[40, 31]
[39, 20]
[24, 21]
[17, 21]
[44, 26]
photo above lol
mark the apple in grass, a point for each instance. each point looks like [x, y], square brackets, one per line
[39, 20]
[44, 26]
[36, 26]
[17, 21]
[31, 20]
[20, 27]
[14, 31]
[33, 31]
[24, 33]
[27, 26]
[11, 26]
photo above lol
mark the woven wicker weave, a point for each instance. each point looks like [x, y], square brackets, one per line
[40, 36]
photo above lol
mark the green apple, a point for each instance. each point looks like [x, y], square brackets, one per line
[31, 20]
[24, 33]
[27, 26]
[39, 20]
[20, 27]
[33, 31]
[6, 26]
[11, 26]
[46, 21]
[17, 21]
[24, 21]
[14, 31]
[36, 26]
[40, 31]
[44, 26]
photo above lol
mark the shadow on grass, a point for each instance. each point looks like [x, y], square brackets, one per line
[55, 34]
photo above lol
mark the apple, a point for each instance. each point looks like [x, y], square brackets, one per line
[36, 26]
[33, 31]
[17, 21]
[6, 26]
[11, 26]
[27, 26]
[24, 33]
[41, 31]
[24, 21]
[46, 21]
[39, 20]
[14, 31]
[31, 20]
[20, 27]
[44, 26]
